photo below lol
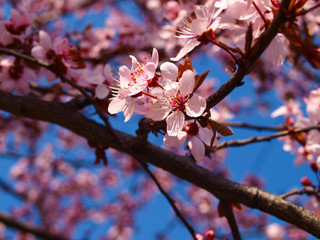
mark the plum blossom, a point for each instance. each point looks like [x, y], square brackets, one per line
[100, 78]
[132, 82]
[58, 52]
[206, 20]
[176, 99]
[291, 108]
[313, 105]
[196, 135]
[14, 75]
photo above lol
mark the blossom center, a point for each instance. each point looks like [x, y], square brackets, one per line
[192, 129]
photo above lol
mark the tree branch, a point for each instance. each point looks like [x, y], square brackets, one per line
[238, 143]
[11, 222]
[246, 64]
[181, 166]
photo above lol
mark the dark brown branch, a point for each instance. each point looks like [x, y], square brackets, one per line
[251, 126]
[246, 64]
[238, 143]
[181, 166]
[41, 233]
[145, 166]
[228, 213]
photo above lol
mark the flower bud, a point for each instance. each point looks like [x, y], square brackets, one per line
[305, 181]
[210, 235]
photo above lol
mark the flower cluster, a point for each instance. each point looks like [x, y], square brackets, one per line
[166, 95]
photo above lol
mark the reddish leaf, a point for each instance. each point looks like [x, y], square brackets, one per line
[221, 128]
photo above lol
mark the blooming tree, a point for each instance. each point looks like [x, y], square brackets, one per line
[97, 120]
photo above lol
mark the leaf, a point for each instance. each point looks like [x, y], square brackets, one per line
[200, 79]
[181, 70]
[187, 63]
[221, 128]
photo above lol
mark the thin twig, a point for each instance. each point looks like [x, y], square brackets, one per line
[300, 192]
[47, 66]
[237, 143]
[38, 232]
[228, 213]
[146, 168]
[251, 126]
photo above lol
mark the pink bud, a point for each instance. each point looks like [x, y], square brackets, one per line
[305, 181]
[210, 235]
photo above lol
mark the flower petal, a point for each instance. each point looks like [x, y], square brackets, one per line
[195, 106]
[187, 83]
[175, 141]
[117, 104]
[128, 109]
[125, 77]
[175, 123]
[169, 70]
[95, 79]
[155, 57]
[197, 148]
[188, 47]
[101, 91]
[205, 134]
[158, 112]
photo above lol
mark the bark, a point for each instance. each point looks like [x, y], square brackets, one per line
[181, 166]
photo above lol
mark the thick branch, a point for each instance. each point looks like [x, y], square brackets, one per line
[11, 222]
[181, 166]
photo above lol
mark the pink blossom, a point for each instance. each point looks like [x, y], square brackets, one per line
[196, 135]
[313, 105]
[100, 78]
[206, 19]
[14, 75]
[292, 108]
[131, 84]
[274, 231]
[176, 100]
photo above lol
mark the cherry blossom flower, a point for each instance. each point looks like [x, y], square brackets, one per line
[58, 52]
[196, 135]
[206, 20]
[131, 84]
[176, 99]
[100, 78]
[14, 75]
[313, 103]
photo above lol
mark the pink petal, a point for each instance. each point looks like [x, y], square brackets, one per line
[95, 79]
[205, 134]
[155, 57]
[117, 104]
[188, 47]
[102, 91]
[158, 112]
[169, 70]
[128, 109]
[39, 53]
[187, 83]
[175, 123]
[45, 40]
[125, 77]
[175, 141]
[195, 106]
[198, 26]
[275, 52]
[151, 70]
[197, 148]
